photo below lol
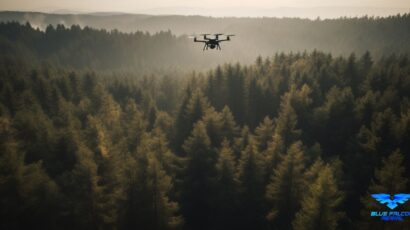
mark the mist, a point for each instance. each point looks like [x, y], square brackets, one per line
[225, 8]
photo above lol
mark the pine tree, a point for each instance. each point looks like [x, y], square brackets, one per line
[148, 204]
[389, 179]
[29, 196]
[273, 155]
[236, 92]
[213, 122]
[164, 122]
[160, 184]
[229, 128]
[286, 123]
[242, 142]
[263, 133]
[216, 88]
[191, 112]
[198, 187]
[254, 95]
[134, 125]
[225, 199]
[286, 188]
[250, 177]
[83, 192]
[336, 114]
[320, 204]
[313, 171]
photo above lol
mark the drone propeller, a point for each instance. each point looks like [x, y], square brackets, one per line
[204, 34]
[230, 35]
[218, 34]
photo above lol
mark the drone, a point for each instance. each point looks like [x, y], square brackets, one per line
[212, 42]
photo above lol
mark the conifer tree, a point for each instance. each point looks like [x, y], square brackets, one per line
[236, 92]
[250, 177]
[213, 121]
[263, 133]
[217, 88]
[29, 196]
[198, 187]
[389, 179]
[229, 128]
[190, 113]
[273, 155]
[164, 122]
[164, 211]
[84, 193]
[134, 124]
[225, 199]
[285, 190]
[312, 173]
[286, 123]
[320, 205]
[254, 95]
[242, 142]
[148, 204]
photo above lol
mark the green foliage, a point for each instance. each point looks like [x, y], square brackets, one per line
[263, 133]
[26, 190]
[250, 177]
[193, 108]
[320, 205]
[215, 150]
[285, 189]
[226, 196]
[198, 185]
[286, 123]
[389, 179]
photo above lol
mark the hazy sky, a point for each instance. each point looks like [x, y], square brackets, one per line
[138, 6]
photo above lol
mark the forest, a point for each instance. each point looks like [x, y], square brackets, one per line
[94, 138]
[120, 41]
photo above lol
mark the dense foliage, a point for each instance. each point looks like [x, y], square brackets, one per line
[290, 142]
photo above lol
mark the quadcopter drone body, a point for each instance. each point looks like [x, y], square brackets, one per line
[212, 42]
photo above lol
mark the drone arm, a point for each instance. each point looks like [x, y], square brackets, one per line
[199, 41]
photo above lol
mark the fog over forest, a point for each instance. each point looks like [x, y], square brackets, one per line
[171, 47]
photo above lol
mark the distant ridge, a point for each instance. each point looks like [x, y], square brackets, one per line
[255, 36]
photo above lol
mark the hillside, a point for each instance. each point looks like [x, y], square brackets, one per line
[255, 36]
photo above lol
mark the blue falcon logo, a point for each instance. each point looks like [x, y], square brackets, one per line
[391, 201]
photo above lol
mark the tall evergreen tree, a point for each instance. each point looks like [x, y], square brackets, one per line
[190, 113]
[286, 123]
[285, 190]
[226, 196]
[250, 177]
[263, 133]
[242, 141]
[273, 155]
[29, 196]
[320, 205]
[236, 92]
[198, 187]
[229, 128]
[389, 179]
[213, 122]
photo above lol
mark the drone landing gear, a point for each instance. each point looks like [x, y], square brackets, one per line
[205, 47]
